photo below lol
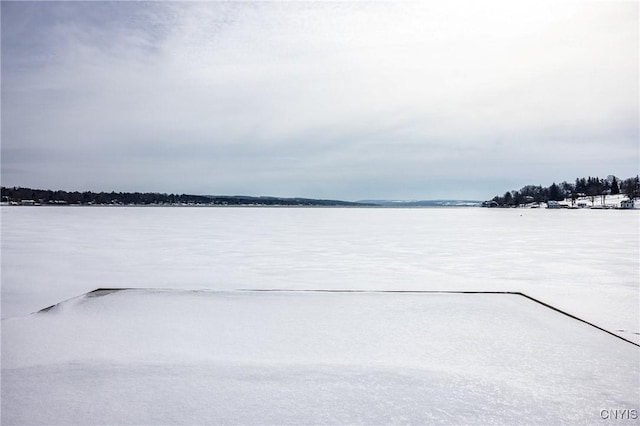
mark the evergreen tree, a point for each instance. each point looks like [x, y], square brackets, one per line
[631, 187]
[555, 194]
[507, 198]
[581, 185]
[516, 197]
[614, 186]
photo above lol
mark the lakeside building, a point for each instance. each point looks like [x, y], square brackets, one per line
[627, 204]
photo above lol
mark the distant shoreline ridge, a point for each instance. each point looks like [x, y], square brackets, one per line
[20, 196]
[29, 196]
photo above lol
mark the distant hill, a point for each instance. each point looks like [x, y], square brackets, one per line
[423, 203]
[268, 201]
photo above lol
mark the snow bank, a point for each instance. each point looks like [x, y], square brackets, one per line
[202, 357]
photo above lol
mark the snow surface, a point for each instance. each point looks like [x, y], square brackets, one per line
[177, 356]
[203, 357]
[585, 262]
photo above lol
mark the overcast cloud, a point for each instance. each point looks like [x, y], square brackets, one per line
[440, 99]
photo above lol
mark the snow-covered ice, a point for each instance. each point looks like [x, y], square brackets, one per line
[183, 357]
[177, 356]
[583, 261]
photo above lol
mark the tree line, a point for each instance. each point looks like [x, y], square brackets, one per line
[21, 195]
[582, 187]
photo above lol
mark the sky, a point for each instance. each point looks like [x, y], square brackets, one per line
[343, 100]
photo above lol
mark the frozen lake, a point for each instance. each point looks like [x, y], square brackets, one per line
[184, 345]
[585, 262]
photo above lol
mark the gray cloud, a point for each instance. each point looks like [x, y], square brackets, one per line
[341, 100]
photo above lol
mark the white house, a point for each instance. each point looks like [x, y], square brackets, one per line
[553, 204]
